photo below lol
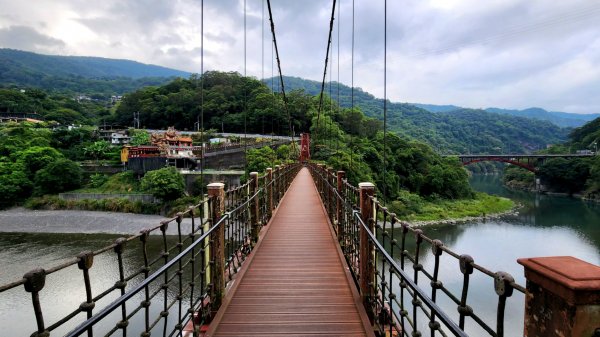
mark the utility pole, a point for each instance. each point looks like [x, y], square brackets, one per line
[136, 120]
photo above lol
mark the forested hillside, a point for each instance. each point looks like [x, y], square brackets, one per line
[580, 175]
[90, 75]
[562, 119]
[60, 108]
[461, 131]
[232, 103]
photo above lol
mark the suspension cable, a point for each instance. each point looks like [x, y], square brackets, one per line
[352, 90]
[384, 97]
[285, 102]
[245, 93]
[326, 62]
[273, 93]
[201, 126]
[337, 139]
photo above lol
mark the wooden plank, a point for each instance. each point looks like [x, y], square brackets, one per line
[294, 284]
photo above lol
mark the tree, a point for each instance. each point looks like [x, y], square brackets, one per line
[58, 176]
[139, 137]
[166, 184]
[37, 157]
[258, 160]
[98, 150]
[14, 184]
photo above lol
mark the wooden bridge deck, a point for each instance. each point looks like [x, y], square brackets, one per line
[296, 282]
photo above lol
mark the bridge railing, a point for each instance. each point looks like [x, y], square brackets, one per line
[182, 279]
[385, 256]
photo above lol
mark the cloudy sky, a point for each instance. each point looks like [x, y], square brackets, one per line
[503, 53]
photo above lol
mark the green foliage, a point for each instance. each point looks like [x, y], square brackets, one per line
[56, 108]
[166, 183]
[98, 150]
[97, 77]
[459, 131]
[36, 158]
[14, 183]
[414, 208]
[52, 202]
[124, 182]
[518, 178]
[97, 180]
[565, 175]
[58, 176]
[258, 160]
[230, 100]
[139, 137]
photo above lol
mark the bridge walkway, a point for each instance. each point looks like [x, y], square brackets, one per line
[296, 282]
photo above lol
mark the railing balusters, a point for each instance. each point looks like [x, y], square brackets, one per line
[377, 287]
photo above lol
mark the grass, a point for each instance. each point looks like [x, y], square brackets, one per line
[482, 205]
[52, 202]
[120, 183]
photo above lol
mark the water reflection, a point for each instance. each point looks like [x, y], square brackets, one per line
[64, 290]
[544, 226]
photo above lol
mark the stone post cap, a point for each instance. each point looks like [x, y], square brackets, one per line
[366, 185]
[215, 186]
[574, 280]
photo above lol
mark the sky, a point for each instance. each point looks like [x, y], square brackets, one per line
[471, 53]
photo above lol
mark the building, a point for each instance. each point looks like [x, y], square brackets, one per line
[167, 149]
[119, 138]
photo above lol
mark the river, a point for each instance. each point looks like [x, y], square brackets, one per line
[544, 226]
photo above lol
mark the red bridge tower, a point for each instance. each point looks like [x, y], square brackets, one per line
[304, 147]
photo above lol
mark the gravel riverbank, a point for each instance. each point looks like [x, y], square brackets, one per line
[35, 221]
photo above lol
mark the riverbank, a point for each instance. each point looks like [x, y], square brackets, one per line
[482, 206]
[23, 220]
[455, 221]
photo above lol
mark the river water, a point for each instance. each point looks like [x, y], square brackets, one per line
[544, 226]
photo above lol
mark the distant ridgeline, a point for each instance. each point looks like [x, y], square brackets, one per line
[448, 130]
[90, 75]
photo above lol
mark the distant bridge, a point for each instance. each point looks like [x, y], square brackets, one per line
[529, 162]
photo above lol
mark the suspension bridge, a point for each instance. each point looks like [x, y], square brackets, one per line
[299, 251]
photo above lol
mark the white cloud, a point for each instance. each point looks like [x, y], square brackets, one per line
[505, 53]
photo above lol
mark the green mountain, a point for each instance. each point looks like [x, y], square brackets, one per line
[562, 119]
[456, 131]
[79, 74]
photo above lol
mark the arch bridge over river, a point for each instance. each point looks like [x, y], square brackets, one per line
[530, 162]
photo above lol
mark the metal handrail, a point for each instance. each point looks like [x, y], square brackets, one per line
[396, 269]
[384, 223]
[145, 283]
[238, 229]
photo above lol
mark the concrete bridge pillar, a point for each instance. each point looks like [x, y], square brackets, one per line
[563, 297]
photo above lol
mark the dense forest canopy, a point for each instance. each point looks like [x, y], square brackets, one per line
[232, 103]
[459, 131]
